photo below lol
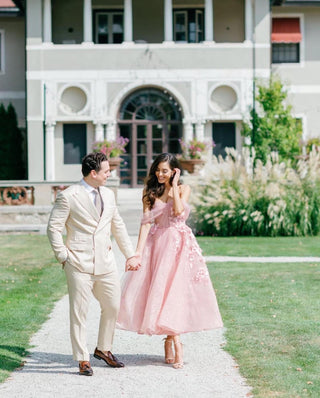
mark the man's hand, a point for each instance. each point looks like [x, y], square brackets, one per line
[64, 262]
[133, 263]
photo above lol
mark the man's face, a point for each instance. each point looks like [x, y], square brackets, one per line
[102, 175]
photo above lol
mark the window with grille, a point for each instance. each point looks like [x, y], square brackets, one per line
[188, 25]
[285, 53]
[109, 27]
[286, 38]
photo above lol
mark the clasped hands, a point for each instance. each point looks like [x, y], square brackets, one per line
[133, 263]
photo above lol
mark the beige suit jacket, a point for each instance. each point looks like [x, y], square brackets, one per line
[88, 241]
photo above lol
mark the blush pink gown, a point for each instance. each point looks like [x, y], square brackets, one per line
[171, 293]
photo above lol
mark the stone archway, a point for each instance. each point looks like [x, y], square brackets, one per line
[152, 120]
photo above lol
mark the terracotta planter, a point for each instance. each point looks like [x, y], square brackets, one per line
[114, 163]
[192, 166]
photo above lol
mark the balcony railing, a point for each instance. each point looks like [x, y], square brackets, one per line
[16, 195]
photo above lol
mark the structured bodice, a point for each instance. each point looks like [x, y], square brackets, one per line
[162, 215]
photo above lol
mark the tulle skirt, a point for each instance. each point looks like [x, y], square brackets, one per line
[171, 293]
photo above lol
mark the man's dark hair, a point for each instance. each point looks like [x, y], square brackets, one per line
[92, 161]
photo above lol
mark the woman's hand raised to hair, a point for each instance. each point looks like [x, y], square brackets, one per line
[176, 177]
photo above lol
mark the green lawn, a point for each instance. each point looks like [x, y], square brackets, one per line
[264, 246]
[271, 312]
[30, 282]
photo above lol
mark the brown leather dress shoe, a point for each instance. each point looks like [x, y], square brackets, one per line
[109, 358]
[85, 368]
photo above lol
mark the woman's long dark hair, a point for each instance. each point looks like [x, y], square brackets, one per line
[153, 189]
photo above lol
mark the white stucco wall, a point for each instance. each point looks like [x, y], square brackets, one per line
[303, 79]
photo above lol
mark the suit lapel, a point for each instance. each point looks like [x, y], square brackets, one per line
[84, 200]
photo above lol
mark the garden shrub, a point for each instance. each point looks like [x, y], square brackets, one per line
[272, 127]
[311, 143]
[270, 199]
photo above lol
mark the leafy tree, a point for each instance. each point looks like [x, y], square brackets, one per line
[12, 166]
[313, 142]
[272, 128]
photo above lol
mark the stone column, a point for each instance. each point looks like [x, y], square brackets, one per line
[111, 131]
[47, 22]
[34, 24]
[87, 21]
[187, 131]
[200, 131]
[248, 21]
[50, 152]
[168, 24]
[98, 133]
[128, 21]
[208, 9]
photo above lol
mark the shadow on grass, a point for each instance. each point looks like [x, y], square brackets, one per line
[11, 357]
[15, 358]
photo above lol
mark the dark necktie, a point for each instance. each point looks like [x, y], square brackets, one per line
[98, 201]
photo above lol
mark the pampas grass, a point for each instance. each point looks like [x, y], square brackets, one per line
[270, 199]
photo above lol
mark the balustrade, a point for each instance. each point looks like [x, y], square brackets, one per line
[55, 189]
[16, 195]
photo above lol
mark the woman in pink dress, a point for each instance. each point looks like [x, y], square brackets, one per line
[171, 292]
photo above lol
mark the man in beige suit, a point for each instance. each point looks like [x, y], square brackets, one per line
[89, 213]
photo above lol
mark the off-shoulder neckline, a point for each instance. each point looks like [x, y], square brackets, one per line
[161, 201]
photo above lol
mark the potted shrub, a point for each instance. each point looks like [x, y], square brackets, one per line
[191, 157]
[112, 149]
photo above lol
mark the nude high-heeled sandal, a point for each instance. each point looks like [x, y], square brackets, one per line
[178, 360]
[168, 350]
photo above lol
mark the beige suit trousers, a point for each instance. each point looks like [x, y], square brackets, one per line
[106, 289]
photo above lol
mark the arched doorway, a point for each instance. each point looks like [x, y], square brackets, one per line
[152, 120]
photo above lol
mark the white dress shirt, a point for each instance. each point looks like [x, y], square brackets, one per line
[90, 189]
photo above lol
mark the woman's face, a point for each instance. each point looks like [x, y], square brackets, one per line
[164, 173]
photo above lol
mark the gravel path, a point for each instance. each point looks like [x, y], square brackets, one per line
[49, 371]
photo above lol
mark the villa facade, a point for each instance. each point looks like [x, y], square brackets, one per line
[152, 71]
